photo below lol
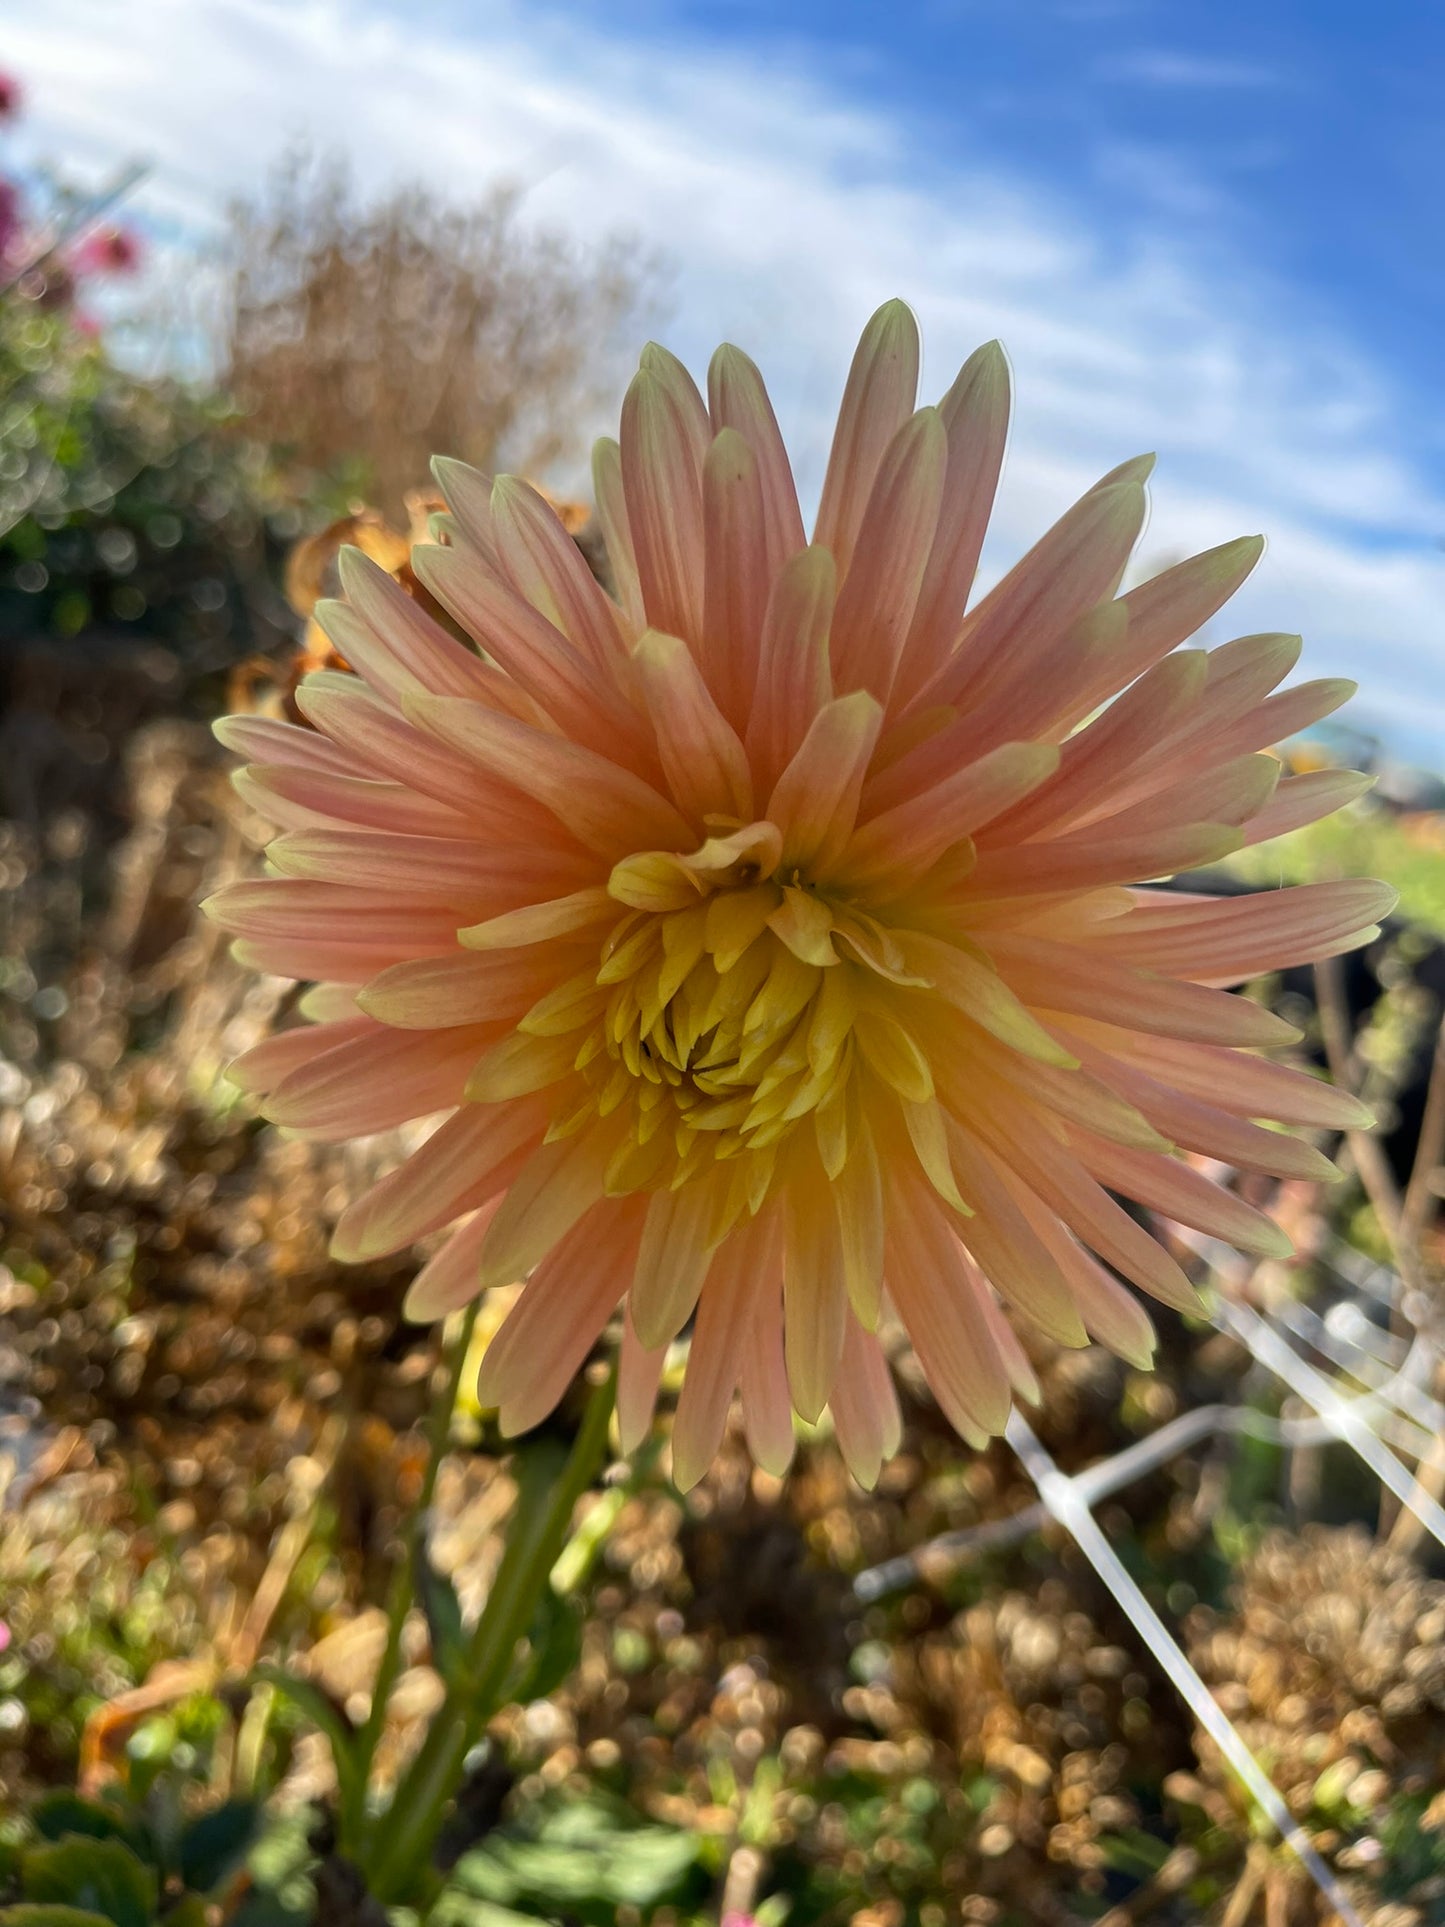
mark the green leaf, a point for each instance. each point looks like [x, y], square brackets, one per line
[58, 1815]
[44, 1914]
[215, 1844]
[97, 1876]
[584, 1854]
[189, 1911]
[324, 1714]
[443, 1612]
[555, 1648]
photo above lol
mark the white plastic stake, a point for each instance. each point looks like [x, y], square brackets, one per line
[1059, 1493]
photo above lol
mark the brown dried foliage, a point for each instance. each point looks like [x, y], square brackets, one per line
[389, 332]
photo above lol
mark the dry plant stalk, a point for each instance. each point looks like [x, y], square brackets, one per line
[1406, 1219]
[378, 335]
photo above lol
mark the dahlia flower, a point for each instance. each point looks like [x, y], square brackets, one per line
[775, 935]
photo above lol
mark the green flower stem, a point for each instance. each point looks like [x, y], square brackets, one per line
[402, 1594]
[549, 1483]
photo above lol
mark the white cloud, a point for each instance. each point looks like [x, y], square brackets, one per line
[788, 213]
[1162, 67]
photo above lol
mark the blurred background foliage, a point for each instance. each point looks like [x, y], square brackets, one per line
[212, 1432]
[362, 338]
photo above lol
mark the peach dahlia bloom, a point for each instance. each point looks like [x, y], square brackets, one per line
[775, 937]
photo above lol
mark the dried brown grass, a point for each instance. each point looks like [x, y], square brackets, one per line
[362, 338]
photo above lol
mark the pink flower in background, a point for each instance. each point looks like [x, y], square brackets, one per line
[4, 1636]
[776, 937]
[12, 95]
[10, 213]
[111, 250]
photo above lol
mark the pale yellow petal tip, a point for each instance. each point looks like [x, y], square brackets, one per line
[864, 1472]
[632, 1430]
[894, 319]
[348, 1247]
[420, 1307]
[774, 1463]
[353, 565]
[1136, 470]
[451, 473]
[686, 1471]
[1271, 1241]
[1140, 1356]
[729, 457]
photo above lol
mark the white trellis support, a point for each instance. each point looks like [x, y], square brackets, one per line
[1065, 1502]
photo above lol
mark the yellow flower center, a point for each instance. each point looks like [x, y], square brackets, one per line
[714, 1026]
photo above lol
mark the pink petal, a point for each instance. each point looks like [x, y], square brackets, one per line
[557, 1320]
[793, 680]
[673, 1258]
[1089, 859]
[880, 395]
[975, 414]
[1104, 761]
[815, 1294]
[890, 852]
[606, 807]
[611, 499]
[1182, 1194]
[738, 399]
[665, 434]
[865, 1407]
[940, 1307]
[767, 1406]
[463, 874]
[737, 576]
[291, 907]
[639, 1372]
[1245, 936]
[1073, 567]
[890, 555]
[549, 1194]
[1305, 799]
[1167, 610]
[714, 1363]
[815, 800]
[703, 761]
[1062, 1184]
[344, 709]
[1050, 976]
[262, 739]
[579, 697]
[450, 1279]
[263, 1067]
[546, 568]
[305, 799]
[429, 993]
[407, 648]
[476, 1153]
[1247, 1086]
[377, 1081]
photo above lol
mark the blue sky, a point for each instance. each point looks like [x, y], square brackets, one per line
[1311, 133]
[1212, 231]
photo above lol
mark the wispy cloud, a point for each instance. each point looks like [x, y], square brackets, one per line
[788, 212]
[1165, 67]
